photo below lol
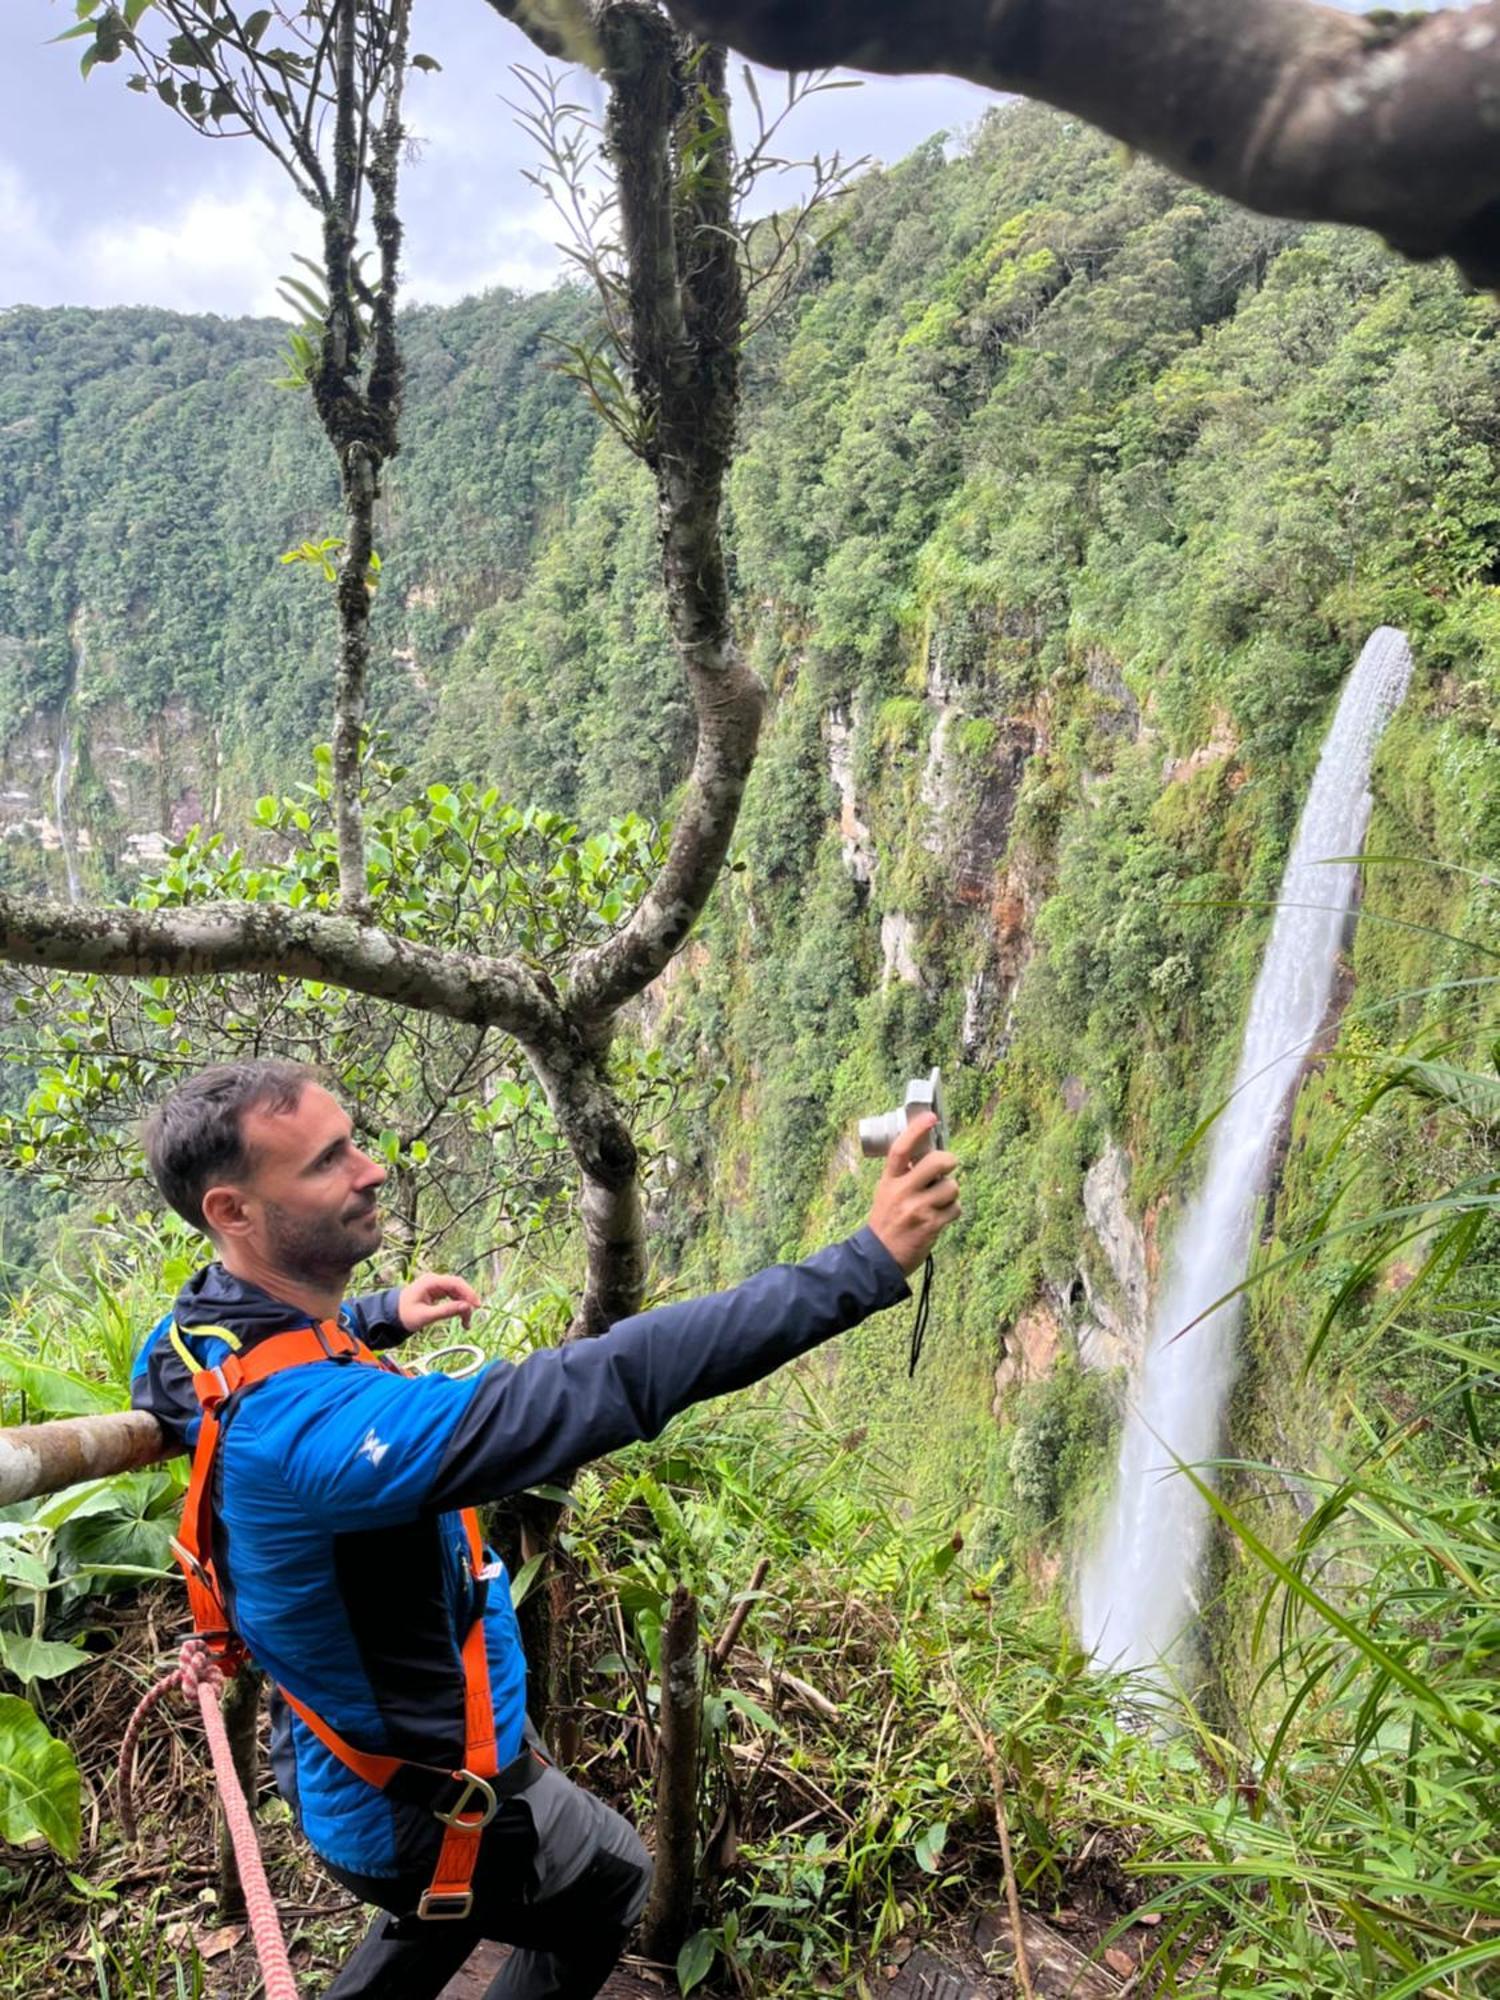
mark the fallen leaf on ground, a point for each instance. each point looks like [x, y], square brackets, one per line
[214, 1944]
[1119, 1961]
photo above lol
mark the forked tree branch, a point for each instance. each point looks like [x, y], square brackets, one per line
[1388, 121]
[291, 944]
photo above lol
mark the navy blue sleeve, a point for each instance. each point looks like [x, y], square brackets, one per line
[568, 1404]
[376, 1318]
[161, 1383]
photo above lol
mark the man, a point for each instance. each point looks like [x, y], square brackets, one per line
[339, 1549]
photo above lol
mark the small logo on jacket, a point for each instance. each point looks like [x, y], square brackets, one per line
[373, 1448]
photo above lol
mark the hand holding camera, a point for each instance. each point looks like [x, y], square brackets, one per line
[917, 1196]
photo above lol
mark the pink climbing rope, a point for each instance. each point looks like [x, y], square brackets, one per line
[197, 1674]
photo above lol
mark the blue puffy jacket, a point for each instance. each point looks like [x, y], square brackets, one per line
[338, 1538]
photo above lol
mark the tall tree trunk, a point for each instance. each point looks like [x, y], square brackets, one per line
[670, 1910]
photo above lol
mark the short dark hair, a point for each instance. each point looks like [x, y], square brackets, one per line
[195, 1136]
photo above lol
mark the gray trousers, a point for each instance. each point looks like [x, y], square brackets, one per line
[560, 1876]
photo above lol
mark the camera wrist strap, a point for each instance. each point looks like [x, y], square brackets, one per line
[919, 1324]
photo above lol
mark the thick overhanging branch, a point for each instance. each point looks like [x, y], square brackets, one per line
[208, 938]
[44, 1458]
[1389, 122]
[562, 29]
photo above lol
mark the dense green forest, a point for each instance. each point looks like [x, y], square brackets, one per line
[1066, 497]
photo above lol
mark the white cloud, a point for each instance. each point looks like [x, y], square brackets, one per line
[217, 253]
[514, 250]
[28, 255]
[225, 252]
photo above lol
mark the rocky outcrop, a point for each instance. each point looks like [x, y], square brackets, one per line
[1112, 1330]
[1030, 1353]
[1116, 710]
[897, 936]
[979, 1013]
[971, 779]
[855, 839]
[1221, 746]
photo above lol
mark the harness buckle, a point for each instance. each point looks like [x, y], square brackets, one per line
[445, 1905]
[474, 1787]
[191, 1564]
[348, 1346]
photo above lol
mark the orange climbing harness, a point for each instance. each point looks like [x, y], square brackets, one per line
[481, 1785]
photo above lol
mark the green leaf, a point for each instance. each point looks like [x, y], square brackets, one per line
[930, 1844]
[425, 62]
[945, 1555]
[1426, 1978]
[525, 1577]
[695, 1959]
[18, 1565]
[39, 1783]
[753, 1710]
[256, 26]
[38, 1659]
[55, 1392]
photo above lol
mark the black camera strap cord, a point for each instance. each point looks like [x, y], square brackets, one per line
[919, 1324]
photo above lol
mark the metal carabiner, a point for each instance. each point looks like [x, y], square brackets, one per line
[426, 1363]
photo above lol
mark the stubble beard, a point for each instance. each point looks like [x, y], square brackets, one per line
[322, 1252]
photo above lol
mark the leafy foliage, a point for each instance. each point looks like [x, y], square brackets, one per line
[38, 1781]
[454, 1113]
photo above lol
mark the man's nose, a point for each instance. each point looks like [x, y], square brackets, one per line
[369, 1173]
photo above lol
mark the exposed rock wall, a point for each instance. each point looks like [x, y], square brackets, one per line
[1112, 1331]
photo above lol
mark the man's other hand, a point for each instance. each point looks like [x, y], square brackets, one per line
[915, 1200]
[432, 1297]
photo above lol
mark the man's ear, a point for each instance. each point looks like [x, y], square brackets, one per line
[225, 1213]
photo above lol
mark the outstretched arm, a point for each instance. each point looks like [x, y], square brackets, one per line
[568, 1404]
[389, 1449]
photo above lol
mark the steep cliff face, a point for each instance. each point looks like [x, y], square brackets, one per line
[1065, 497]
[88, 802]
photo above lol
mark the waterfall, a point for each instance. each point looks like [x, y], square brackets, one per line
[1138, 1589]
[62, 773]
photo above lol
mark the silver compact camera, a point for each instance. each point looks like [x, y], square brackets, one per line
[923, 1093]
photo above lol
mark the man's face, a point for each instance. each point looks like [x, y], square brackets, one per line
[308, 1207]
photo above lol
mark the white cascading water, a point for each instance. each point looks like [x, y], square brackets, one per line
[61, 774]
[1138, 1589]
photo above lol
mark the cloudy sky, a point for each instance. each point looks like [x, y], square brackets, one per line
[107, 199]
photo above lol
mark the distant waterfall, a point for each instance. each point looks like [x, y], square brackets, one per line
[61, 776]
[1138, 1591]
